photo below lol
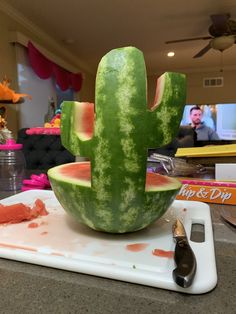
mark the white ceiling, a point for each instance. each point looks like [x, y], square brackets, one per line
[97, 26]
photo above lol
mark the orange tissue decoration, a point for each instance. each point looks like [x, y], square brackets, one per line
[7, 94]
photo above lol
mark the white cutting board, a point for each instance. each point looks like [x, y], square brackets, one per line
[62, 243]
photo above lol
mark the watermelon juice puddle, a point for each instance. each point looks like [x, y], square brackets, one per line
[136, 247]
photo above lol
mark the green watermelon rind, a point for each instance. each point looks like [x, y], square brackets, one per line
[124, 129]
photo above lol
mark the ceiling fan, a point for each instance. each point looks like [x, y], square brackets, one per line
[222, 34]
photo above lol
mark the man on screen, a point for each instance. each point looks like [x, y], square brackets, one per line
[203, 132]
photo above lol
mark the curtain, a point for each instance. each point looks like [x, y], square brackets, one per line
[32, 112]
[45, 68]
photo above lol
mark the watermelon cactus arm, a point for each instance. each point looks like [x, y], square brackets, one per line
[165, 115]
[77, 122]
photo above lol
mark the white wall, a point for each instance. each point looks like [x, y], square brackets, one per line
[196, 93]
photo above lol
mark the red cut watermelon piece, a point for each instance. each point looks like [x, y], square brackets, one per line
[18, 212]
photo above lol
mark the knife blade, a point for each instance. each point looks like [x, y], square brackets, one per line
[184, 257]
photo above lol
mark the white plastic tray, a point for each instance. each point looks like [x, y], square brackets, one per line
[62, 243]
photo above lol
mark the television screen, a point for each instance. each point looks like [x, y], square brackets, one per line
[226, 121]
[221, 118]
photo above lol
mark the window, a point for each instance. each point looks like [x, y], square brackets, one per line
[63, 95]
[32, 112]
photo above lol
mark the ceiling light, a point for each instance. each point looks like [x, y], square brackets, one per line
[222, 42]
[170, 54]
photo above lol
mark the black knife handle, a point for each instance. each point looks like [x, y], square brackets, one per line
[186, 264]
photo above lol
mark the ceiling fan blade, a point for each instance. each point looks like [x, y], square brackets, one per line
[219, 25]
[203, 51]
[188, 39]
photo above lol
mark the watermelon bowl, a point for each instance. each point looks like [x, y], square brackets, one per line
[123, 212]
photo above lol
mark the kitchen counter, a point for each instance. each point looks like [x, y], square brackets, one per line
[30, 288]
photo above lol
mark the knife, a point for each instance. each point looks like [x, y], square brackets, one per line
[184, 257]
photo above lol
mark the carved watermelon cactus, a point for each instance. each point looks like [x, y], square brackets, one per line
[118, 196]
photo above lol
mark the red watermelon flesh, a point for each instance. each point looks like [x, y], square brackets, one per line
[159, 92]
[18, 212]
[81, 173]
[85, 117]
